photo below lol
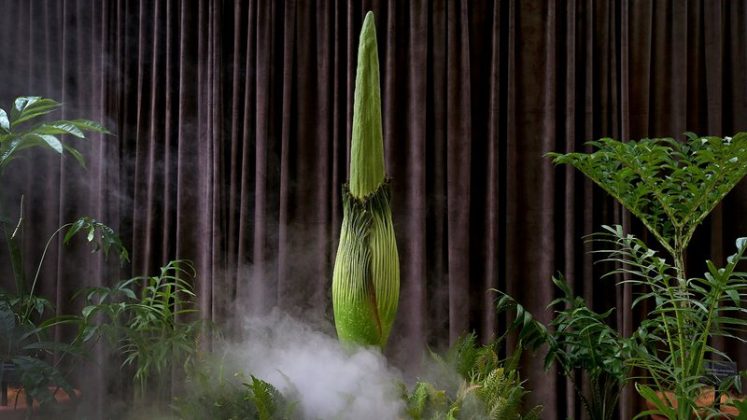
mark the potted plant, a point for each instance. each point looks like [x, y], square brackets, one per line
[671, 187]
[25, 326]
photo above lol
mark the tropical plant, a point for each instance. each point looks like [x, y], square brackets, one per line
[24, 129]
[211, 394]
[488, 388]
[671, 187]
[579, 340]
[673, 342]
[144, 318]
[365, 283]
[26, 346]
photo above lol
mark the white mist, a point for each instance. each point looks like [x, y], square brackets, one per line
[307, 365]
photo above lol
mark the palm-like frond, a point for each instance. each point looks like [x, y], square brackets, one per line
[673, 341]
[670, 186]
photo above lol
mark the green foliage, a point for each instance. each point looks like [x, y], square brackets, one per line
[741, 406]
[28, 347]
[426, 402]
[21, 130]
[100, 236]
[673, 341]
[488, 389]
[578, 339]
[25, 329]
[670, 186]
[144, 319]
[213, 395]
[24, 324]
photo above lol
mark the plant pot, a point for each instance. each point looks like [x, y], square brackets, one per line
[17, 409]
[705, 400]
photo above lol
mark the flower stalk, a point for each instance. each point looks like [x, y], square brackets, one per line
[365, 284]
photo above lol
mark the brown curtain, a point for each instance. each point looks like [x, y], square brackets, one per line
[231, 125]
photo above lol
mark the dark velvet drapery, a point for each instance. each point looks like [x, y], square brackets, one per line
[231, 125]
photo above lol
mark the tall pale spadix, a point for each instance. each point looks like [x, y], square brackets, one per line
[365, 283]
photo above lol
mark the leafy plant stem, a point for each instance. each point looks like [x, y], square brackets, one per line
[16, 258]
[38, 267]
[669, 212]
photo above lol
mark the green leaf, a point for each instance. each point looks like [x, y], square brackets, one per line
[7, 320]
[88, 125]
[53, 142]
[74, 228]
[4, 122]
[60, 127]
[662, 407]
[670, 186]
[29, 107]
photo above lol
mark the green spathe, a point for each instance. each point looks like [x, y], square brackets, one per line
[365, 283]
[367, 146]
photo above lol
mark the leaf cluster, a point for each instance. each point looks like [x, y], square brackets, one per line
[673, 342]
[26, 340]
[670, 186]
[26, 346]
[27, 351]
[578, 339]
[20, 130]
[213, 395]
[145, 319]
[489, 388]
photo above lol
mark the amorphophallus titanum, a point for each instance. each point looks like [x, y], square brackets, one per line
[365, 283]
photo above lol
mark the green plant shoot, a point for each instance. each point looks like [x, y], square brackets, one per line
[365, 283]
